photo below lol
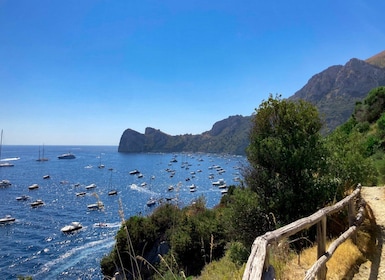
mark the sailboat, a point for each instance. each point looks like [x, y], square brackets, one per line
[100, 162]
[3, 164]
[42, 158]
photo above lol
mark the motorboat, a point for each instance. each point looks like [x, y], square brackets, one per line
[72, 227]
[134, 172]
[95, 206]
[151, 202]
[113, 192]
[37, 203]
[33, 187]
[193, 188]
[22, 198]
[81, 194]
[7, 219]
[91, 186]
[66, 156]
[46, 177]
[219, 182]
[5, 183]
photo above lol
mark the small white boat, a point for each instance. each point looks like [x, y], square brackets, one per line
[37, 203]
[96, 206]
[91, 186]
[5, 183]
[22, 198]
[72, 227]
[66, 156]
[151, 202]
[219, 182]
[7, 219]
[170, 188]
[134, 172]
[193, 188]
[81, 194]
[33, 187]
[113, 192]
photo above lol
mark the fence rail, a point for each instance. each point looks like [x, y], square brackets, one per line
[258, 266]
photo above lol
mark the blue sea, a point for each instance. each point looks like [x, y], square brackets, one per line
[34, 245]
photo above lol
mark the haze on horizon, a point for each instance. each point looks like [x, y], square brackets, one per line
[81, 72]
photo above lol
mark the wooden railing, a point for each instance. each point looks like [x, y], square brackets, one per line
[258, 266]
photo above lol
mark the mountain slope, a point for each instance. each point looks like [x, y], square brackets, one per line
[335, 90]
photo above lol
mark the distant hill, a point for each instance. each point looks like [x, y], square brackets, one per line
[336, 90]
[226, 136]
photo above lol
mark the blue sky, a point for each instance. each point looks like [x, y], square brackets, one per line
[81, 72]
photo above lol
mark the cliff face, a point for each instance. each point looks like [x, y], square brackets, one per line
[226, 136]
[335, 90]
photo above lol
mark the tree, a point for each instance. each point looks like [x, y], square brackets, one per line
[287, 159]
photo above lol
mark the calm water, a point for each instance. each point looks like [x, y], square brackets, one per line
[34, 245]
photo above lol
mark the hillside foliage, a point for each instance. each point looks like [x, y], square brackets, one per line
[293, 171]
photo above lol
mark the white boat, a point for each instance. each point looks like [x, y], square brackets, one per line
[7, 219]
[37, 203]
[113, 192]
[193, 188]
[91, 186]
[81, 194]
[101, 166]
[67, 156]
[33, 187]
[3, 164]
[151, 202]
[22, 198]
[72, 227]
[96, 206]
[5, 183]
[46, 177]
[134, 172]
[219, 182]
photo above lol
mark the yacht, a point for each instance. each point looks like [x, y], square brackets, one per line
[95, 206]
[91, 186]
[22, 198]
[5, 183]
[7, 219]
[33, 187]
[66, 156]
[113, 192]
[151, 202]
[37, 203]
[72, 227]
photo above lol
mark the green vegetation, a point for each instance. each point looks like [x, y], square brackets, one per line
[293, 172]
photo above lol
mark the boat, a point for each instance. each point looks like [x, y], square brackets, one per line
[81, 194]
[37, 203]
[7, 219]
[66, 156]
[3, 164]
[72, 227]
[134, 172]
[101, 166]
[113, 192]
[33, 187]
[96, 206]
[91, 186]
[5, 183]
[42, 158]
[193, 188]
[220, 182]
[151, 202]
[46, 177]
[22, 198]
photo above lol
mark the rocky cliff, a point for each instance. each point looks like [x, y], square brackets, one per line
[226, 136]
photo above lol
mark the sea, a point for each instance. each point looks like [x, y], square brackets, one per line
[34, 245]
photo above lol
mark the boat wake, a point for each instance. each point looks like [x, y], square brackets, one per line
[70, 258]
[142, 190]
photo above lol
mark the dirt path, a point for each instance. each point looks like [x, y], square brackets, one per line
[375, 269]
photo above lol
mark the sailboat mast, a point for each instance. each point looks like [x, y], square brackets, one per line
[1, 142]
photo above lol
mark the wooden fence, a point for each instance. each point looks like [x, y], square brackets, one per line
[258, 266]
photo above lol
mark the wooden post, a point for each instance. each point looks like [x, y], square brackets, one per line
[321, 246]
[352, 216]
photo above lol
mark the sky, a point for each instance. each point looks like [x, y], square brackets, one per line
[81, 72]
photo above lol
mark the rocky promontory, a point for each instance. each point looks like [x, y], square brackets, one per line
[226, 136]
